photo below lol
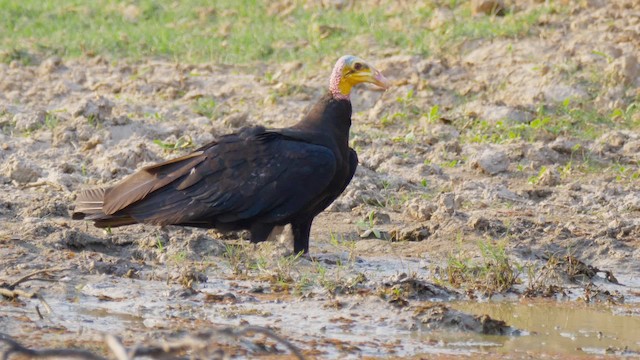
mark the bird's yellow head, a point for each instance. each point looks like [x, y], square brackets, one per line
[350, 71]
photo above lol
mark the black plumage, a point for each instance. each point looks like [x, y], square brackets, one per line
[255, 179]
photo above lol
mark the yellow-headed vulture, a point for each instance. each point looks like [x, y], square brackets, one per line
[254, 180]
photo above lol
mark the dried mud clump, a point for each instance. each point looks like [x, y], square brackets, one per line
[22, 170]
[442, 317]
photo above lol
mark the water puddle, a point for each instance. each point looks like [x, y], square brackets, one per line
[556, 328]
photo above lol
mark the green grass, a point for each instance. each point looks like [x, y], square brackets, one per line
[493, 273]
[233, 32]
[581, 121]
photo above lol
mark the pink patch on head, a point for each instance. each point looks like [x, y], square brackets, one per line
[336, 76]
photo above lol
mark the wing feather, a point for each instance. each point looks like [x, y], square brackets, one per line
[137, 186]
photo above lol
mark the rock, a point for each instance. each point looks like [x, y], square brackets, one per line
[625, 69]
[415, 288]
[448, 203]
[484, 225]
[632, 149]
[441, 317]
[203, 246]
[410, 233]
[94, 107]
[420, 209]
[540, 154]
[21, 170]
[564, 145]
[236, 119]
[491, 161]
[29, 121]
[610, 142]
[488, 7]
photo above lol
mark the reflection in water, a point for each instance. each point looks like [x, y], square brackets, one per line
[551, 327]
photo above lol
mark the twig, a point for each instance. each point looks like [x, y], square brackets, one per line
[44, 303]
[16, 348]
[44, 183]
[39, 313]
[116, 347]
[12, 294]
[30, 275]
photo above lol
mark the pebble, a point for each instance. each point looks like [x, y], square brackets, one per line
[97, 107]
[29, 121]
[491, 161]
[626, 69]
[21, 170]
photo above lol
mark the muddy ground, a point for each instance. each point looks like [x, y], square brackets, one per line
[430, 190]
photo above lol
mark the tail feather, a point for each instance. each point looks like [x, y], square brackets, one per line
[89, 202]
[89, 205]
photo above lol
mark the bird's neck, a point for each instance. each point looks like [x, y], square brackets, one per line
[329, 115]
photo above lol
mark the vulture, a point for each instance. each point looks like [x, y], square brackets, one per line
[255, 179]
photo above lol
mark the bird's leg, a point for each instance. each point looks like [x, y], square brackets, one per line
[301, 230]
[260, 232]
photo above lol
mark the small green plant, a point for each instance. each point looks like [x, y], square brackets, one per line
[451, 164]
[236, 256]
[183, 142]
[179, 257]
[160, 245]
[93, 120]
[368, 225]
[536, 178]
[493, 274]
[51, 121]
[205, 107]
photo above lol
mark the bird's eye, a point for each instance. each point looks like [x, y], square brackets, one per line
[357, 66]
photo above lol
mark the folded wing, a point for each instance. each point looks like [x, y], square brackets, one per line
[266, 177]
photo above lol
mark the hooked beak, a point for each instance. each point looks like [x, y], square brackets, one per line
[377, 78]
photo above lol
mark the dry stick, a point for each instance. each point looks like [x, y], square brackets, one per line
[30, 275]
[12, 294]
[16, 348]
[44, 303]
[116, 347]
[39, 313]
[44, 183]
